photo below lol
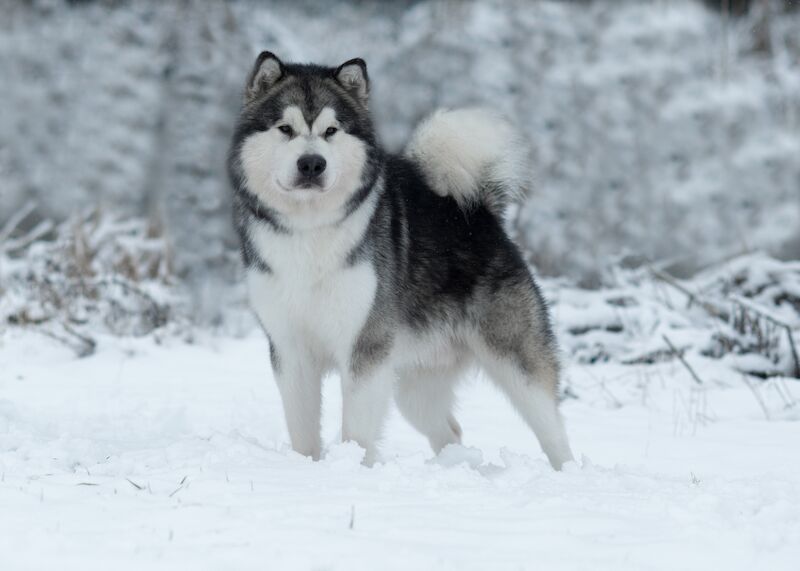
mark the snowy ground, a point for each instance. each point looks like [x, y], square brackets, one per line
[147, 456]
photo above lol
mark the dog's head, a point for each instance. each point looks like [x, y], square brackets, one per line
[304, 145]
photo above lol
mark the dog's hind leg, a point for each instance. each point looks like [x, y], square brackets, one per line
[517, 350]
[425, 398]
[535, 400]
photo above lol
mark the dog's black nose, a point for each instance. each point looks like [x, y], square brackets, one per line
[311, 166]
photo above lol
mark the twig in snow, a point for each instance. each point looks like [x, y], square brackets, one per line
[679, 355]
[352, 516]
[134, 484]
[179, 488]
[60, 339]
[88, 345]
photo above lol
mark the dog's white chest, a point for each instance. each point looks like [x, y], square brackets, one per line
[312, 298]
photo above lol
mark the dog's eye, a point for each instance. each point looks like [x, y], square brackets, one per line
[330, 131]
[286, 130]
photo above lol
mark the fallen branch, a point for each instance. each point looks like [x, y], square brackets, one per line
[709, 307]
[88, 345]
[81, 344]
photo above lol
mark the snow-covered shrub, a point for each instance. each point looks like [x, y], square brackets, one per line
[745, 311]
[91, 274]
[761, 308]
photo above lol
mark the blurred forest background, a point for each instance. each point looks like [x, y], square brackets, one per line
[662, 130]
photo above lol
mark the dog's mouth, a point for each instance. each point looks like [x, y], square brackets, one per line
[310, 185]
[306, 186]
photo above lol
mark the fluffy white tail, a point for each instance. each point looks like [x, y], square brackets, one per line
[473, 155]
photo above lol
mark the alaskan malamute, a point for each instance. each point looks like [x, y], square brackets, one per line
[394, 271]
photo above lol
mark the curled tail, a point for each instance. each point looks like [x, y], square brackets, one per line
[473, 155]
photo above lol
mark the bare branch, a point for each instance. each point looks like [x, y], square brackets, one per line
[17, 219]
[39, 231]
[679, 355]
[709, 307]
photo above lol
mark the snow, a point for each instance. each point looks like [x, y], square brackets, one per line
[175, 455]
[165, 445]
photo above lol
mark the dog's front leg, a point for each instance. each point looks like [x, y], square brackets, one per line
[299, 380]
[365, 403]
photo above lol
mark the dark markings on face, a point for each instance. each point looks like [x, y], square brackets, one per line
[311, 88]
[368, 182]
[253, 207]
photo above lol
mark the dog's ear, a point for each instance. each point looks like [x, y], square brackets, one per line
[352, 75]
[267, 71]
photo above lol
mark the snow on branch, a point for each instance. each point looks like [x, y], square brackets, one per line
[745, 311]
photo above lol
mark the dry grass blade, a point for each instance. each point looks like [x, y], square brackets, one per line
[179, 488]
[758, 397]
[134, 484]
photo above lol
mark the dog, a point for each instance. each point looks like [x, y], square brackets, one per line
[393, 270]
